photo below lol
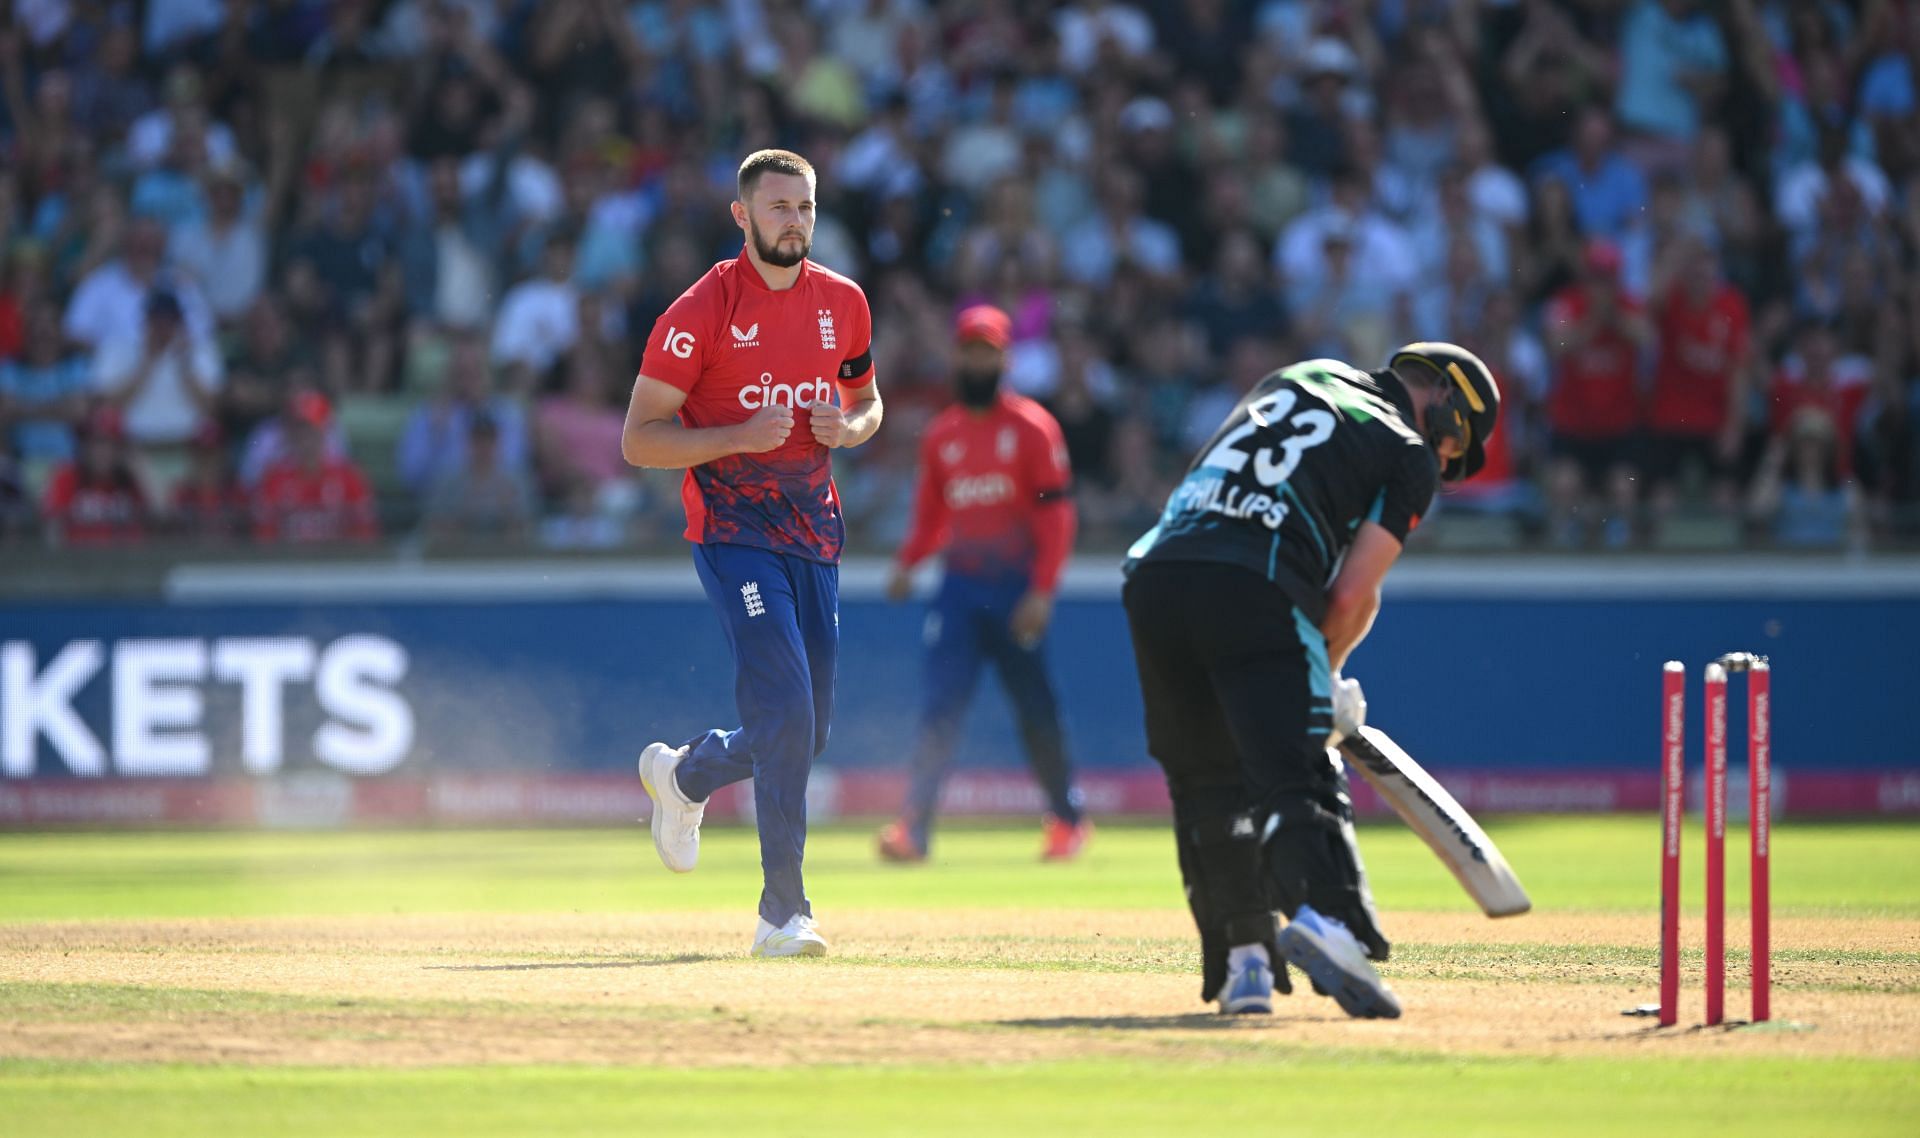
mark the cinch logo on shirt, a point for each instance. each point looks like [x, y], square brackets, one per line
[979, 490]
[771, 394]
[750, 593]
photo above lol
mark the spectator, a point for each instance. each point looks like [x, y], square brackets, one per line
[271, 442]
[1088, 419]
[43, 393]
[1315, 125]
[539, 319]
[152, 136]
[1349, 309]
[209, 505]
[1695, 415]
[1496, 192]
[108, 91]
[176, 24]
[1652, 245]
[112, 299]
[578, 432]
[1890, 462]
[486, 498]
[1552, 252]
[1519, 364]
[260, 368]
[1089, 29]
[164, 380]
[1237, 296]
[1276, 189]
[225, 252]
[1802, 497]
[16, 506]
[312, 496]
[433, 448]
[1383, 258]
[1818, 375]
[356, 288]
[1596, 334]
[1806, 186]
[987, 149]
[24, 283]
[1673, 68]
[170, 191]
[96, 500]
[1608, 190]
[1092, 167]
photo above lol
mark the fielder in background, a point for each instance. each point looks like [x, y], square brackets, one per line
[1244, 602]
[738, 386]
[994, 495]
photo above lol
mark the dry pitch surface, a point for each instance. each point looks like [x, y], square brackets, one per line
[677, 989]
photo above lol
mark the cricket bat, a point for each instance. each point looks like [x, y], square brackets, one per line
[1425, 806]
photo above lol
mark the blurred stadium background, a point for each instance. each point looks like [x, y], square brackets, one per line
[317, 322]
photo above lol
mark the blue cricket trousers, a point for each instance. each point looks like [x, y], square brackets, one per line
[781, 614]
[968, 626]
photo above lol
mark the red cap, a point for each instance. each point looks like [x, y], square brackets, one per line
[312, 408]
[1603, 258]
[986, 323]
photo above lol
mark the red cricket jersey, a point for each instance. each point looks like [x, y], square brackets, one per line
[294, 504]
[210, 511]
[87, 512]
[993, 493]
[1700, 348]
[1841, 394]
[1596, 393]
[734, 346]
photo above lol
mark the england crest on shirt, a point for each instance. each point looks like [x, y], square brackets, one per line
[829, 340]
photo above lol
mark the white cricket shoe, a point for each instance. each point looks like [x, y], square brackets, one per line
[1326, 950]
[797, 937]
[676, 821]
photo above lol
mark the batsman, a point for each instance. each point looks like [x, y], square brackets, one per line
[1244, 602]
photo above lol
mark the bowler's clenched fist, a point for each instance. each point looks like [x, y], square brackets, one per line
[829, 424]
[768, 428]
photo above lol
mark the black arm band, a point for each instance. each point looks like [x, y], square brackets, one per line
[1054, 495]
[857, 366]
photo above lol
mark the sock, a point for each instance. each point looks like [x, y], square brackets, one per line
[1241, 954]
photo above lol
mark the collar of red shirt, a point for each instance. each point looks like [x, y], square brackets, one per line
[751, 273]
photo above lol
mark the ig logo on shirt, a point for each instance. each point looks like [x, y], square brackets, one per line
[679, 343]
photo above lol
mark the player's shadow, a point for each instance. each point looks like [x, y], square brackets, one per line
[1193, 1021]
[543, 966]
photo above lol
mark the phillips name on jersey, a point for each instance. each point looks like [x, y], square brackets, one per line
[1309, 454]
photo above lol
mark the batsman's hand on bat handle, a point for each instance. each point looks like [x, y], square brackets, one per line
[1349, 709]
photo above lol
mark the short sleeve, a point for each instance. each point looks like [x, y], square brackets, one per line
[857, 369]
[1048, 468]
[1404, 500]
[676, 348]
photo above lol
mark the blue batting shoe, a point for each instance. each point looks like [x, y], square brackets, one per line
[1249, 989]
[1325, 950]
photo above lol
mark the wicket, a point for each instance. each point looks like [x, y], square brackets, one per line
[1673, 809]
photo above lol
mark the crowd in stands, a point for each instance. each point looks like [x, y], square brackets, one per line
[299, 271]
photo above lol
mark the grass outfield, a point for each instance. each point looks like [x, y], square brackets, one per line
[561, 982]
